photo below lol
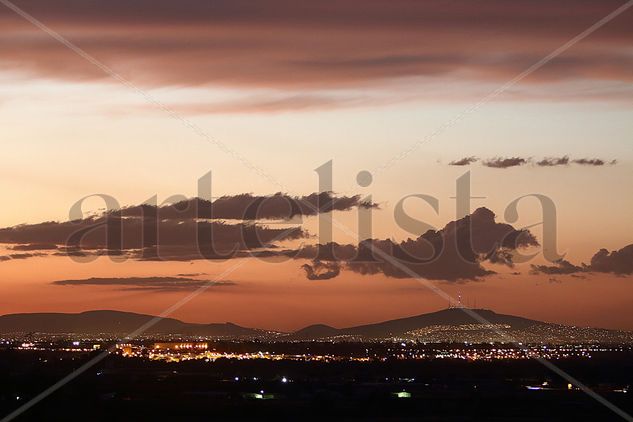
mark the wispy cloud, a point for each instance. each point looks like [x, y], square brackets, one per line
[504, 163]
[162, 284]
[463, 162]
[593, 162]
[508, 162]
[553, 161]
[560, 267]
[321, 270]
[251, 207]
[233, 44]
[24, 255]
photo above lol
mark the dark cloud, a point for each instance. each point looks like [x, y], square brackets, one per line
[560, 267]
[553, 161]
[150, 238]
[314, 45]
[251, 207]
[91, 233]
[34, 247]
[190, 229]
[618, 262]
[463, 162]
[325, 252]
[24, 255]
[503, 163]
[163, 284]
[321, 270]
[455, 252]
[593, 162]
[20, 256]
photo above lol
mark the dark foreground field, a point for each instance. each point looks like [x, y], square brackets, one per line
[133, 389]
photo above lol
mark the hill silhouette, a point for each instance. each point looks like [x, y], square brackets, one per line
[113, 322]
[444, 324]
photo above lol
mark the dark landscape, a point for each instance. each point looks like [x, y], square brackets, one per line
[451, 324]
[385, 371]
[119, 388]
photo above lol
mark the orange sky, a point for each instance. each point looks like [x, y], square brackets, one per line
[277, 296]
[287, 88]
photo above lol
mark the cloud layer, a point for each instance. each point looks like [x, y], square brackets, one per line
[455, 252]
[147, 237]
[553, 161]
[507, 162]
[618, 262]
[251, 207]
[503, 163]
[190, 229]
[288, 45]
[463, 161]
[162, 284]
[593, 162]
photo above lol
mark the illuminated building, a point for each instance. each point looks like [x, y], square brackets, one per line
[179, 346]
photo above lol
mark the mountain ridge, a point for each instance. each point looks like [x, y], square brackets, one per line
[122, 322]
[112, 322]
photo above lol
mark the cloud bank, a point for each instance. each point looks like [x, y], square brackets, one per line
[453, 253]
[294, 46]
[618, 262]
[251, 207]
[504, 163]
[190, 229]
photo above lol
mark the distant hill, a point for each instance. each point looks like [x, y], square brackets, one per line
[456, 325]
[448, 325]
[451, 316]
[113, 322]
[401, 326]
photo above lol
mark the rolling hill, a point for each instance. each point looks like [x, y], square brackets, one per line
[113, 322]
[447, 325]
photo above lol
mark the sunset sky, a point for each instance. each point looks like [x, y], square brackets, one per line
[135, 98]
